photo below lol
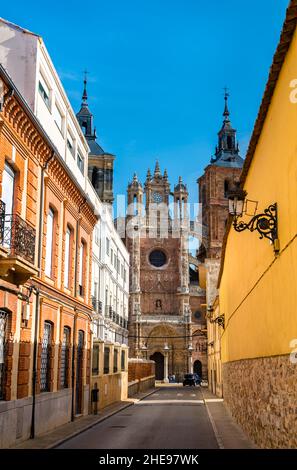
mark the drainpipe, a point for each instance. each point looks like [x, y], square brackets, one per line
[75, 313]
[37, 297]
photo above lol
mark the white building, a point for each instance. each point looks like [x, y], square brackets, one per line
[110, 278]
[24, 56]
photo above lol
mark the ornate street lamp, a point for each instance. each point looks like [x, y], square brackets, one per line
[265, 223]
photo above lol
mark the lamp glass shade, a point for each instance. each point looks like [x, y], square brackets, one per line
[236, 205]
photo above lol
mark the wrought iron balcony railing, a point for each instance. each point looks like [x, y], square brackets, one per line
[96, 304]
[17, 235]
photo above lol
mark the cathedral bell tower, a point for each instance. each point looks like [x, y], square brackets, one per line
[100, 163]
[214, 185]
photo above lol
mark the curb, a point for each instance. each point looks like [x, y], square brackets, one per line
[100, 420]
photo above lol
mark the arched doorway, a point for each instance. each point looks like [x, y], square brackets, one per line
[159, 368]
[198, 368]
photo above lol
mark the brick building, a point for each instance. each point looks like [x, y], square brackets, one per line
[46, 227]
[160, 325]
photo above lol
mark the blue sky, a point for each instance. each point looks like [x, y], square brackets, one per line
[157, 69]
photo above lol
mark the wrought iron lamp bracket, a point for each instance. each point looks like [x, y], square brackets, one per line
[265, 224]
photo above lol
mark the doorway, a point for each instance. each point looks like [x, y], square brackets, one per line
[198, 368]
[159, 368]
[79, 372]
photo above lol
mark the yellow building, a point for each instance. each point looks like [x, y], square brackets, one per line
[214, 335]
[258, 286]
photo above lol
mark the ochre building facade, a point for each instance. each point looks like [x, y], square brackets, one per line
[45, 279]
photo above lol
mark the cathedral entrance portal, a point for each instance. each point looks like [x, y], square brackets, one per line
[159, 360]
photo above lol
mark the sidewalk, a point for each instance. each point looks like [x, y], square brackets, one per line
[229, 435]
[63, 433]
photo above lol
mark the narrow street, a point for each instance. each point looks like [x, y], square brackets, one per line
[171, 418]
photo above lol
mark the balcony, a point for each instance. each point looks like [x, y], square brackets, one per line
[17, 248]
[96, 304]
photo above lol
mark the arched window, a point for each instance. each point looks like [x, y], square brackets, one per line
[135, 210]
[226, 188]
[45, 366]
[68, 255]
[65, 348]
[229, 142]
[49, 242]
[82, 261]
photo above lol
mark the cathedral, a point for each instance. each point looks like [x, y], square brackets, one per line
[167, 306]
[170, 288]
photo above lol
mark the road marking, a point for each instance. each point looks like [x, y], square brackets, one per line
[213, 400]
[180, 395]
[193, 395]
[154, 402]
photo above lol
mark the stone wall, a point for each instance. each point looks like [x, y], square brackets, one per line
[139, 369]
[261, 394]
[141, 385]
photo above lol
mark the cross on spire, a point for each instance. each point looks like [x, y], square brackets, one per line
[85, 95]
[226, 112]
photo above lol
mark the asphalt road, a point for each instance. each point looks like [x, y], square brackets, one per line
[171, 418]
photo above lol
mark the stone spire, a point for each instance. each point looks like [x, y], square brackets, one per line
[148, 175]
[157, 173]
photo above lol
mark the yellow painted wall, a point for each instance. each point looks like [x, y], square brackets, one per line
[261, 307]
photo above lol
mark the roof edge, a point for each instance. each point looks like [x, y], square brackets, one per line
[18, 28]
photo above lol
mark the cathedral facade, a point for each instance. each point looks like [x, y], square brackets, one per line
[162, 291]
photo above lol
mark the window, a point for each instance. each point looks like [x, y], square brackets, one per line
[157, 258]
[65, 358]
[80, 162]
[3, 326]
[44, 91]
[95, 360]
[70, 143]
[115, 262]
[111, 255]
[115, 360]
[123, 360]
[45, 357]
[125, 274]
[106, 360]
[58, 118]
[8, 182]
[107, 246]
[97, 235]
[226, 188]
[67, 257]
[81, 268]
[118, 266]
[49, 242]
